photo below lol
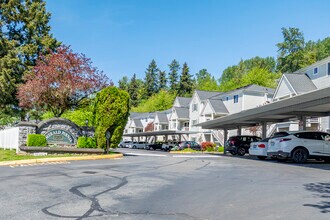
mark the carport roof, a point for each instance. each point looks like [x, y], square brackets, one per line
[315, 103]
[156, 133]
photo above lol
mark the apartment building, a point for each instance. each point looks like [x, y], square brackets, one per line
[203, 106]
[313, 77]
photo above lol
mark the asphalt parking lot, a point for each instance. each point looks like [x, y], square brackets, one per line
[159, 185]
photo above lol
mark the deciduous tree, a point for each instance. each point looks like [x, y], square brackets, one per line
[59, 81]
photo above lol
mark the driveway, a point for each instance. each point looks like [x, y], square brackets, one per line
[166, 187]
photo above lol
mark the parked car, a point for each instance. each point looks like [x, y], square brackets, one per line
[260, 148]
[138, 145]
[124, 144]
[189, 144]
[240, 144]
[300, 146]
[169, 145]
[154, 146]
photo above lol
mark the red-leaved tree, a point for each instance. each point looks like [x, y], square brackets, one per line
[59, 81]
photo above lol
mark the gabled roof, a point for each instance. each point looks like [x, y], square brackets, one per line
[300, 82]
[203, 95]
[183, 101]
[138, 115]
[138, 123]
[249, 88]
[182, 113]
[218, 106]
[162, 117]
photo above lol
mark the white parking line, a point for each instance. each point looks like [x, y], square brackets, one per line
[148, 155]
[196, 156]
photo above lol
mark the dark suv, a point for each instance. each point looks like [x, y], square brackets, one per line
[189, 144]
[240, 144]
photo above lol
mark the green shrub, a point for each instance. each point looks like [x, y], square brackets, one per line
[36, 140]
[86, 142]
[220, 149]
[209, 149]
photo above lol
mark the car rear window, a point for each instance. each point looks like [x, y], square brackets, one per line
[280, 134]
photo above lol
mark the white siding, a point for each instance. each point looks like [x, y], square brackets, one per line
[231, 106]
[208, 109]
[325, 124]
[253, 100]
[322, 82]
[284, 89]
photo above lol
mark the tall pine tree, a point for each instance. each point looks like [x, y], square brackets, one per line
[186, 82]
[133, 91]
[173, 75]
[162, 80]
[151, 80]
[24, 34]
[123, 83]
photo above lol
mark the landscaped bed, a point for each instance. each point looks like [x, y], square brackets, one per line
[9, 155]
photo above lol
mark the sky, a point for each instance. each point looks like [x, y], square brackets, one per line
[123, 36]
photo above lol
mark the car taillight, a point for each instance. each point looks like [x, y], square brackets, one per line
[285, 139]
[262, 146]
[232, 142]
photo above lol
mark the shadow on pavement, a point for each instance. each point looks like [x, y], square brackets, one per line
[310, 163]
[321, 190]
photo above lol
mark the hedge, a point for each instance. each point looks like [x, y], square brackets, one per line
[36, 140]
[86, 142]
[208, 146]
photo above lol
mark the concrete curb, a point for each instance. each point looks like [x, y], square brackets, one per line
[60, 159]
[178, 152]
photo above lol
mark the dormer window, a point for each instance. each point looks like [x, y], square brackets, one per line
[316, 70]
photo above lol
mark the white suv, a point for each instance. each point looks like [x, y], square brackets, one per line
[300, 145]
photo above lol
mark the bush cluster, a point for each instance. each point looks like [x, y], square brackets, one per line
[208, 146]
[86, 142]
[36, 140]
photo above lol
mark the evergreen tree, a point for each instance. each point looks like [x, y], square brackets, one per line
[162, 80]
[24, 34]
[173, 75]
[151, 79]
[186, 82]
[205, 81]
[123, 83]
[133, 91]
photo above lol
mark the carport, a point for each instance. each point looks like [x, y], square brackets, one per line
[315, 103]
[165, 133]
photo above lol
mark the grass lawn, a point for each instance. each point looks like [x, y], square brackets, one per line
[7, 155]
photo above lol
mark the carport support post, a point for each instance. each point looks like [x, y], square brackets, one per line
[263, 130]
[225, 137]
[239, 130]
[302, 123]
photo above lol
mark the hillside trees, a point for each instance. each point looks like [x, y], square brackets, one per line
[60, 81]
[205, 81]
[186, 83]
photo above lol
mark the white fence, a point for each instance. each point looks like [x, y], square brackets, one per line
[9, 138]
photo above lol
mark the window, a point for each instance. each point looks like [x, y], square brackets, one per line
[329, 69]
[235, 98]
[194, 122]
[195, 107]
[316, 70]
[227, 98]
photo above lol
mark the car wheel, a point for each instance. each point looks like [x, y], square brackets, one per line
[134, 147]
[261, 157]
[241, 151]
[300, 155]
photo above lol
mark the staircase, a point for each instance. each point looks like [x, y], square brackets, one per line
[218, 135]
